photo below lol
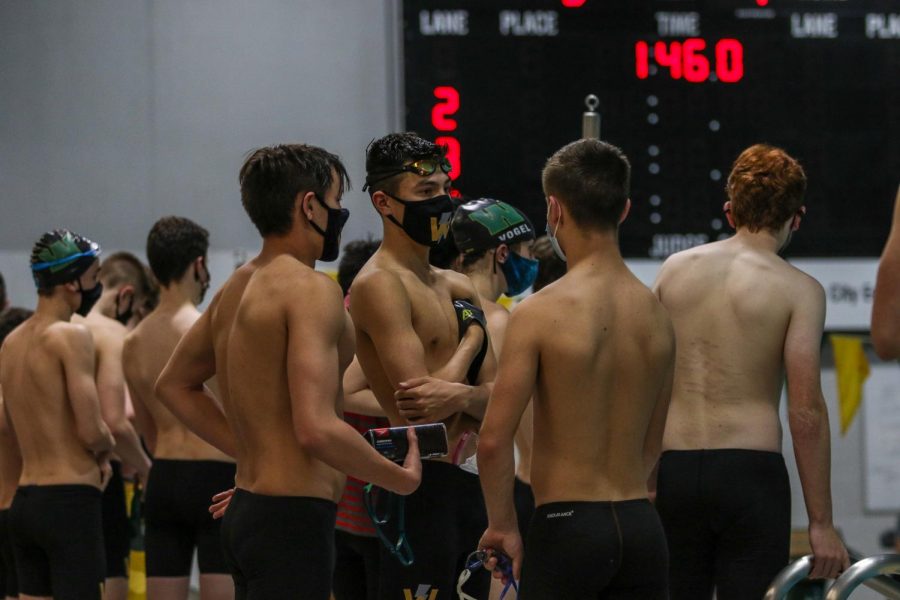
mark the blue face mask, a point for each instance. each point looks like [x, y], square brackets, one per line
[520, 273]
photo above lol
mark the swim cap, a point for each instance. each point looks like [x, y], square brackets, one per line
[486, 223]
[61, 256]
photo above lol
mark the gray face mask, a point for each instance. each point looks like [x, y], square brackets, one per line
[555, 242]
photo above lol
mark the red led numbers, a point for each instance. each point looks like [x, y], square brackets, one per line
[441, 112]
[729, 60]
[686, 59]
[448, 106]
[669, 56]
[641, 60]
[696, 66]
[453, 153]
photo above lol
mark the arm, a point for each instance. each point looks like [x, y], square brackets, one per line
[381, 309]
[432, 400]
[77, 356]
[886, 304]
[181, 388]
[654, 438]
[314, 382]
[808, 419]
[512, 392]
[142, 416]
[358, 396]
[111, 392]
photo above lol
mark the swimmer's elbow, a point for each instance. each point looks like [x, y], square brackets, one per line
[312, 439]
[886, 343]
[490, 448]
[808, 421]
[97, 439]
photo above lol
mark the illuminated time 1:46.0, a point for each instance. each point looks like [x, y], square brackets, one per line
[686, 59]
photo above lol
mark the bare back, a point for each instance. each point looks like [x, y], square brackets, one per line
[731, 307]
[433, 318]
[147, 350]
[37, 402]
[605, 351]
[249, 319]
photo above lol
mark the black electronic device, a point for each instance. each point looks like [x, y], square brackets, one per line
[391, 442]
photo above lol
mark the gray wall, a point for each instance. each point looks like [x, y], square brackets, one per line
[115, 113]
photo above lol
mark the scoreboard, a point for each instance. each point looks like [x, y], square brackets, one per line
[683, 87]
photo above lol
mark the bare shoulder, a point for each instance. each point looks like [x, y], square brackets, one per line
[376, 283]
[63, 338]
[107, 332]
[803, 287]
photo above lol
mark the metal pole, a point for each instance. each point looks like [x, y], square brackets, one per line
[798, 570]
[872, 573]
[590, 120]
[788, 577]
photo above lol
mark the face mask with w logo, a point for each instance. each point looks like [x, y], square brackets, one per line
[426, 222]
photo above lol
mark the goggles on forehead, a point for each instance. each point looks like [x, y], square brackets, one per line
[422, 167]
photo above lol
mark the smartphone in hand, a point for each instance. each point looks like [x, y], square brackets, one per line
[392, 444]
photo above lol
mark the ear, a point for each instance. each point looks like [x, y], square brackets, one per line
[381, 204]
[502, 253]
[72, 286]
[126, 291]
[554, 210]
[727, 209]
[304, 204]
[625, 211]
[795, 222]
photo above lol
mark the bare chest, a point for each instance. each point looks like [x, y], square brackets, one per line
[434, 319]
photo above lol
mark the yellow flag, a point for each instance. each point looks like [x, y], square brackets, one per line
[852, 369]
[137, 571]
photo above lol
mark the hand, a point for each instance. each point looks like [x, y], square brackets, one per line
[429, 400]
[412, 466]
[509, 542]
[142, 475]
[105, 469]
[830, 558]
[220, 503]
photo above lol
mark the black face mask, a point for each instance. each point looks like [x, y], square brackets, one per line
[124, 317]
[337, 218]
[204, 285]
[426, 222]
[88, 298]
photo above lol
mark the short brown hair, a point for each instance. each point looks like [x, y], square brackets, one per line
[172, 245]
[766, 188]
[592, 179]
[272, 177]
[124, 268]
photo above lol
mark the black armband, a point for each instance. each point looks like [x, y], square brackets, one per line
[468, 314]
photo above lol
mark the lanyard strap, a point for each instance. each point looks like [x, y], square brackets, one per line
[396, 508]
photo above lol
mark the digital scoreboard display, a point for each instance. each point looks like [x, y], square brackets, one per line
[683, 86]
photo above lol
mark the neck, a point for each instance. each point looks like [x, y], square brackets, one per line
[176, 295]
[301, 247]
[54, 307]
[594, 248]
[762, 240]
[405, 251]
[488, 284]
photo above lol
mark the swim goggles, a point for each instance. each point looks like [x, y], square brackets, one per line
[422, 167]
[396, 509]
[476, 561]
